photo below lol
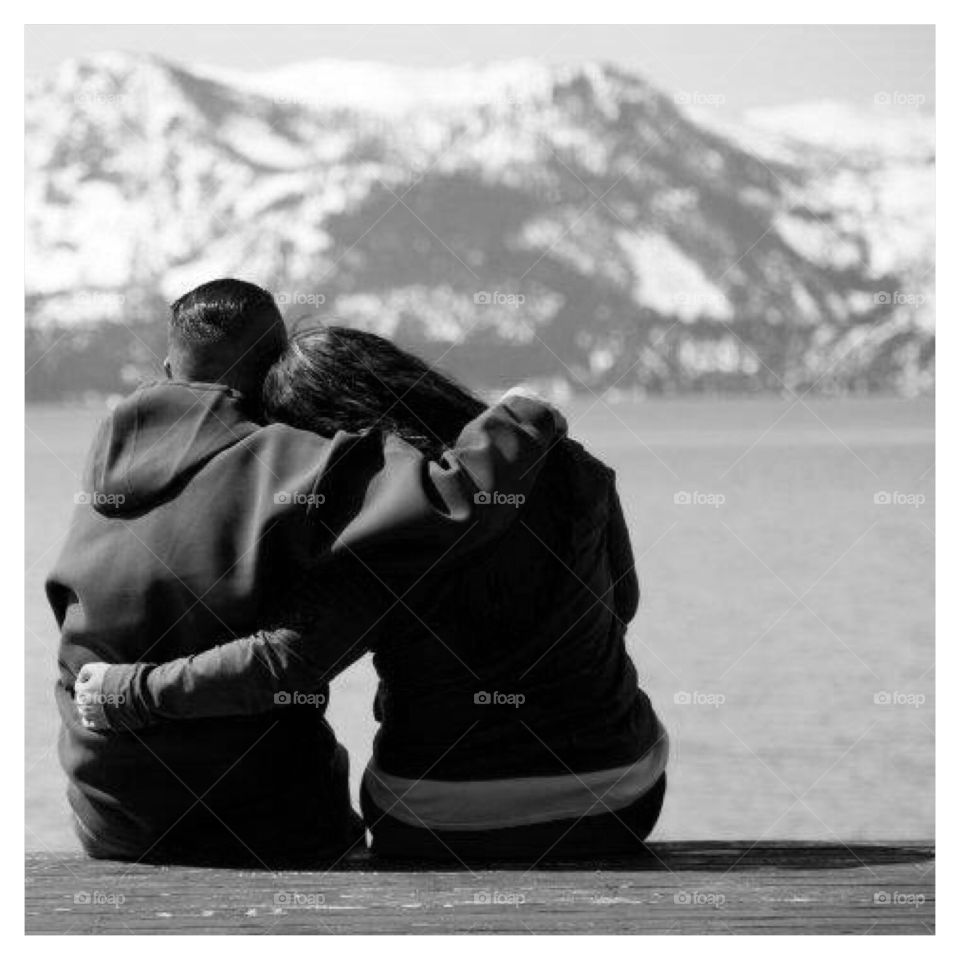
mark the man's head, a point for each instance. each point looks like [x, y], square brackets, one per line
[225, 331]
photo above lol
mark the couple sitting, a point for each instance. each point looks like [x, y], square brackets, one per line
[276, 509]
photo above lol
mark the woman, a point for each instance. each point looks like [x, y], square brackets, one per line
[512, 726]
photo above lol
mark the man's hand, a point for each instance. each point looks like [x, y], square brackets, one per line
[89, 698]
[559, 418]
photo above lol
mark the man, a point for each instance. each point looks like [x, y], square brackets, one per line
[197, 522]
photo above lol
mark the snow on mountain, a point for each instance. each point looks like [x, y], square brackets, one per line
[518, 220]
[391, 90]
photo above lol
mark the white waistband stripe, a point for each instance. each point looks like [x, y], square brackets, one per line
[491, 804]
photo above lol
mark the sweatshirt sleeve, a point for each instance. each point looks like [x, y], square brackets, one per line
[417, 512]
[332, 626]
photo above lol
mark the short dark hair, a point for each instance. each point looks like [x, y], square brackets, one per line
[227, 331]
[334, 378]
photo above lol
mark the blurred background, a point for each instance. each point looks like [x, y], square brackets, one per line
[713, 245]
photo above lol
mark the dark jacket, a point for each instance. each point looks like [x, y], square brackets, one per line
[539, 614]
[196, 524]
[520, 668]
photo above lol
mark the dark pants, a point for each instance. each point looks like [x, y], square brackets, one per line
[612, 834]
[296, 852]
[291, 838]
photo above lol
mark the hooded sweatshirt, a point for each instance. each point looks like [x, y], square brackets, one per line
[195, 525]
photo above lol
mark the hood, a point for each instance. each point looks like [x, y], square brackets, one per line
[156, 439]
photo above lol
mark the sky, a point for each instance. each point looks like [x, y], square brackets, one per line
[744, 66]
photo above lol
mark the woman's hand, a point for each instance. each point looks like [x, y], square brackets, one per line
[559, 419]
[89, 697]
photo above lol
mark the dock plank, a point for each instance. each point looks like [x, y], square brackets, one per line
[680, 888]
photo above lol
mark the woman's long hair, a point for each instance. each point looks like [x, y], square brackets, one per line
[333, 378]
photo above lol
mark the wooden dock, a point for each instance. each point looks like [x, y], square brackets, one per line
[680, 888]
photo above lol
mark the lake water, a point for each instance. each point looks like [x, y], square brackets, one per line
[786, 636]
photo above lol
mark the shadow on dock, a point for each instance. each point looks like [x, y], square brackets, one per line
[704, 856]
[675, 857]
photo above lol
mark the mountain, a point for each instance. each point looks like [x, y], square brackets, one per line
[572, 226]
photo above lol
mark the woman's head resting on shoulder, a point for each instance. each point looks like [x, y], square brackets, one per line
[332, 378]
